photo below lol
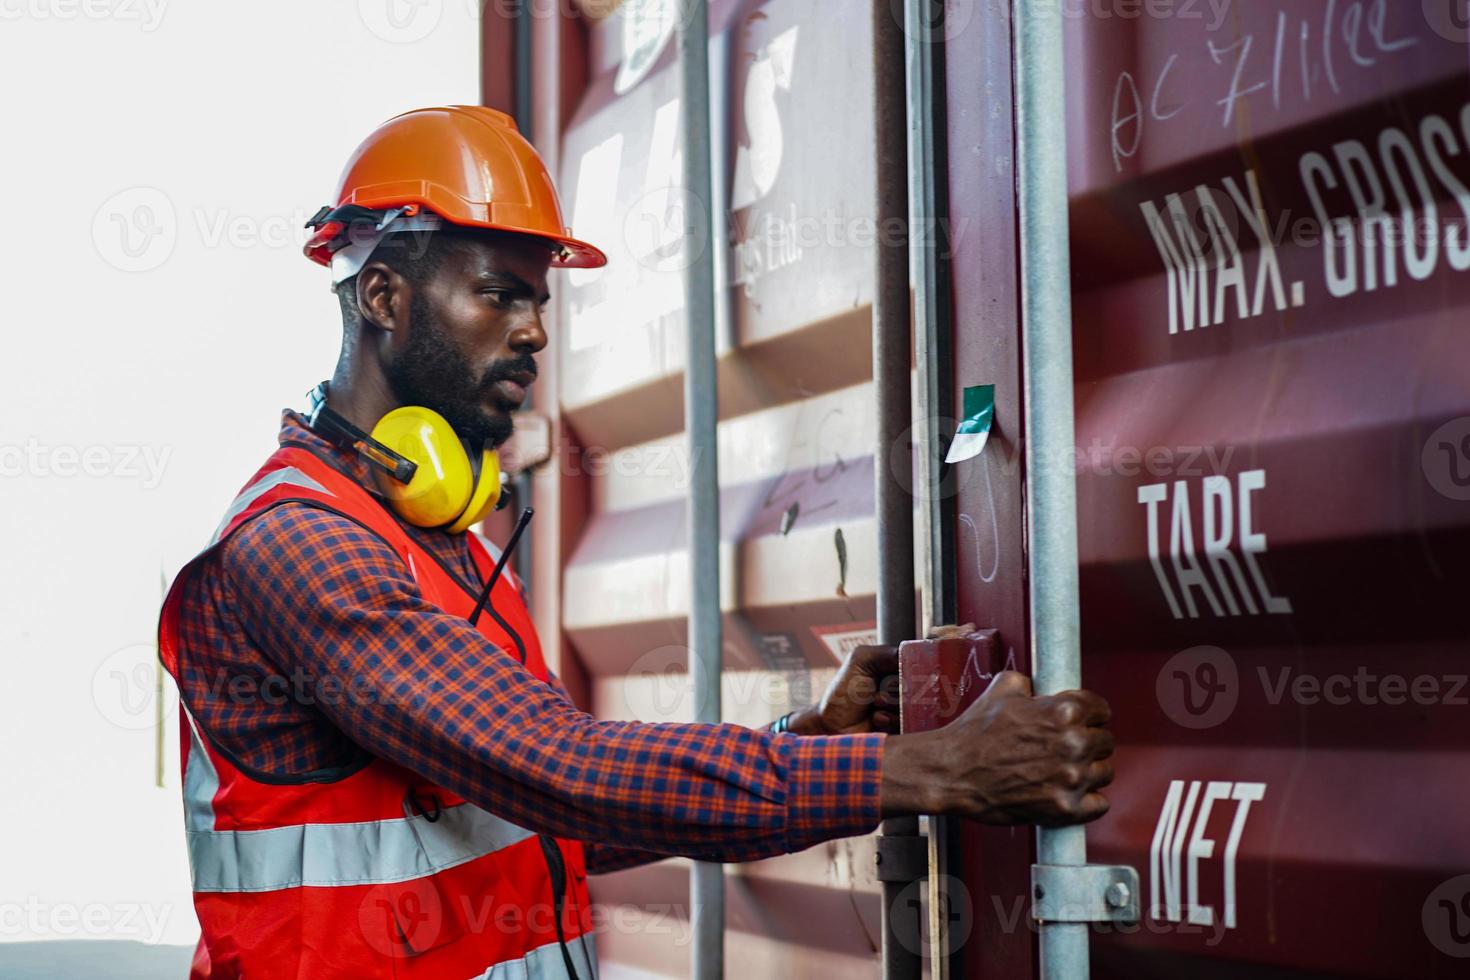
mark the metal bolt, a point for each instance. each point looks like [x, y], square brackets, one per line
[1118, 895]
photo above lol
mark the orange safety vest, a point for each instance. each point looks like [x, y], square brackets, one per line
[375, 872]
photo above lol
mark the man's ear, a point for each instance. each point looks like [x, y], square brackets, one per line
[382, 296]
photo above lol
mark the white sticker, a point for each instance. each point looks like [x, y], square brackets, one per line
[842, 642]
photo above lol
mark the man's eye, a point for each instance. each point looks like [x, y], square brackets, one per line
[500, 297]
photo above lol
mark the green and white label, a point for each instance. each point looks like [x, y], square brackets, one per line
[974, 431]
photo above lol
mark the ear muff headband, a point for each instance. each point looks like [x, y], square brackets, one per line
[422, 466]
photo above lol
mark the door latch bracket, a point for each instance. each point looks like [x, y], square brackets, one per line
[1084, 893]
[903, 857]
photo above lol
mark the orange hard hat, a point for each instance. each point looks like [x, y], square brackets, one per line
[467, 165]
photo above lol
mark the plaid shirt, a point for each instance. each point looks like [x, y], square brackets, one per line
[300, 597]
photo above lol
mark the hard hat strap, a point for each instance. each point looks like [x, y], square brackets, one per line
[354, 232]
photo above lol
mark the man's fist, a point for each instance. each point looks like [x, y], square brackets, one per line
[862, 698]
[1011, 758]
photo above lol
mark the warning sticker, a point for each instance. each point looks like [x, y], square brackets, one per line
[844, 638]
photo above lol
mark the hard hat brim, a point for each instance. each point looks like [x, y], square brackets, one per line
[571, 253]
[577, 254]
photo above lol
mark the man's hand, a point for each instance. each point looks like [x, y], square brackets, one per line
[1009, 759]
[862, 698]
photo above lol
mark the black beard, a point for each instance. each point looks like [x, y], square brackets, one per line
[432, 372]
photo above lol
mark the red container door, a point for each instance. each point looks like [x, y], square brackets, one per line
[1270, 256]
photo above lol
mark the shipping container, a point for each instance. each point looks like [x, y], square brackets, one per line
[1268, 225]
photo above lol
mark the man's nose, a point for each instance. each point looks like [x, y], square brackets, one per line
[528, 335]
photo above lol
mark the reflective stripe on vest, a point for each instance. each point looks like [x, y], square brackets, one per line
[201, 782]
[369, 852]
[546, 963]
[287, 476]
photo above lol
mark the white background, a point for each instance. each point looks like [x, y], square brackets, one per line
[207, 132]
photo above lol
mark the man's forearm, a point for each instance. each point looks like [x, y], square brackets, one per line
[911, 782]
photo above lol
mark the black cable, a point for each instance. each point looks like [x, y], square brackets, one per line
[550, 850]
[510, 546]
[556, 866]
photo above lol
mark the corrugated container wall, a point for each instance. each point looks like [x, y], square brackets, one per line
[794, 205]
[1269, 249]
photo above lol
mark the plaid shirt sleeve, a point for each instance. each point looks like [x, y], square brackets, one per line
[603, 858]
[321, 595]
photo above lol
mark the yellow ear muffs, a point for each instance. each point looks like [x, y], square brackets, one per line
[486, 494]
[447, 490]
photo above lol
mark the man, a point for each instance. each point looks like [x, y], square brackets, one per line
[379, 781]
